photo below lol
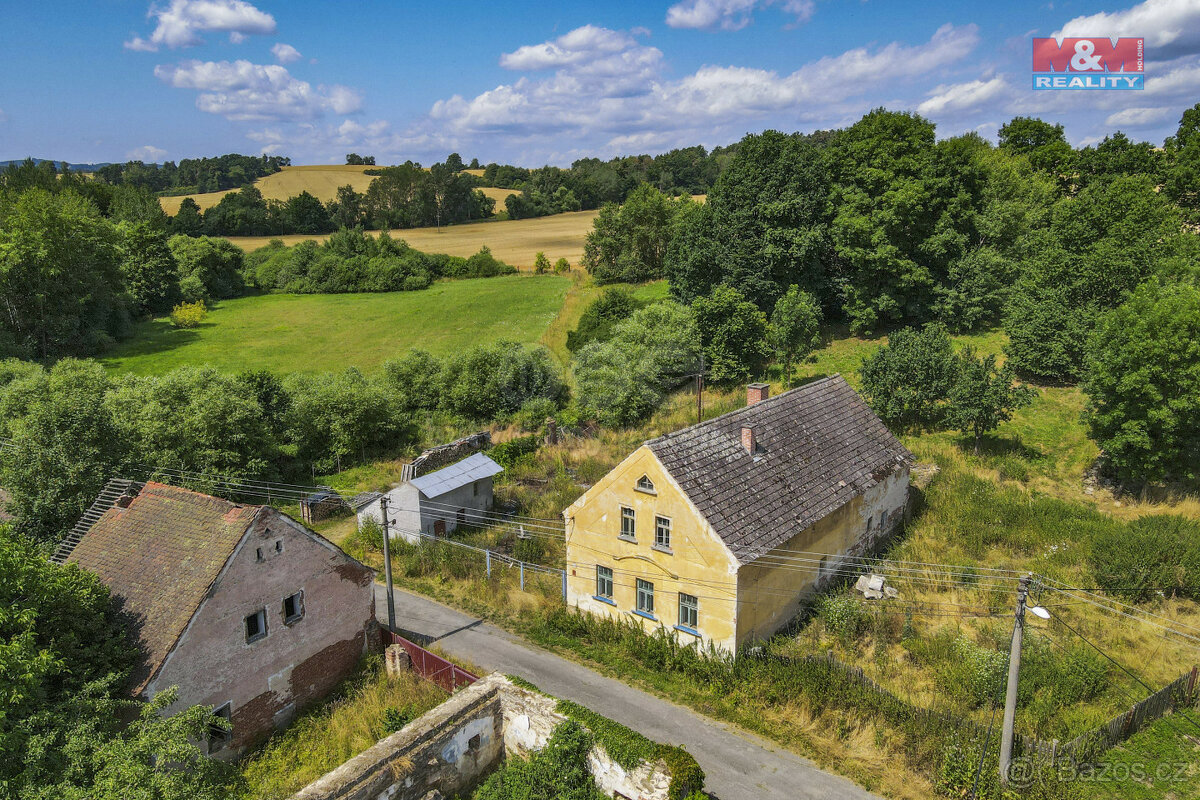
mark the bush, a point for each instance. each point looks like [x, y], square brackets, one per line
[491, 380]
[188, 315]
[541, 264]
[1150, 554]
[596, 324]
[508, 453]
[561, 266]
[843, 616]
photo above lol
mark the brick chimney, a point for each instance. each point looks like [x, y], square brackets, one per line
[756, 392]
[748, 441]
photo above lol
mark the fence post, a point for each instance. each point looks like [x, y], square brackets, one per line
[487, 557]
[522, 563]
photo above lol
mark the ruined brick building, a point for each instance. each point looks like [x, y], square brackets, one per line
[240, 606]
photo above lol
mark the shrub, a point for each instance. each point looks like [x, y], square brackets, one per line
[1150, 554]
[561, 266]
[596, 324]
[508, 453]
[541, 264]
[491, 380]
[843, 616]
[188, 315]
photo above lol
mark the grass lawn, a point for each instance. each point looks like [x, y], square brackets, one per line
[288, 333]
[1161, 762]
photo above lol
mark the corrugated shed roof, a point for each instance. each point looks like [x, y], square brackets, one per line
[819, 446]
[160, 555]
[446, 479]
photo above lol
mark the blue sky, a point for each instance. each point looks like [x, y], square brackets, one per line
[534, 83]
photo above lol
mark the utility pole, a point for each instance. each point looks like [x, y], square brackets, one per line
[1014, 671]
[387, 563]
[700, 391]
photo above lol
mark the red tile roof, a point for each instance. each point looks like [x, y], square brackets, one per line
[161, 555]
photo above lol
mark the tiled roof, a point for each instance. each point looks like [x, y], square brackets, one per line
[461, 473]
[819, 446]
[160, 555]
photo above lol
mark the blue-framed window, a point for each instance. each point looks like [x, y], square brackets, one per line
[645, 597]
[604, 582]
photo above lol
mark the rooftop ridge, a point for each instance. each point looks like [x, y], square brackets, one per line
[759, 405]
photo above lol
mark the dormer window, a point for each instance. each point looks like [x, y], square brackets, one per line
[644, 484]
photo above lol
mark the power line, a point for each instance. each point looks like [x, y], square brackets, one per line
[1118, 664]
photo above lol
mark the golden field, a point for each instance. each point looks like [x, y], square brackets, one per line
[516, 242]
[320, 180]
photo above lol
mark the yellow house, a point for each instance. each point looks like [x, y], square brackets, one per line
[719, 531]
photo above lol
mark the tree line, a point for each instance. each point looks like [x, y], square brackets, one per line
[72, 426]
[193, 175]
[590, 183]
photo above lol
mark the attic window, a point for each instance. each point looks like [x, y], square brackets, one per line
[279, 545]
[644, 484]
[256, 626]
[258, 554]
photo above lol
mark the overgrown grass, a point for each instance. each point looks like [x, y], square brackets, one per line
[288, 333]
[1161, 762]
[369, 707]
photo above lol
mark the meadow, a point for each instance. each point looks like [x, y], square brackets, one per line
[320, 180]
[516, 242]
[287, 333]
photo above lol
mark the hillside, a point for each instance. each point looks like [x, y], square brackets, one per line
[320, 180]
[287, 333]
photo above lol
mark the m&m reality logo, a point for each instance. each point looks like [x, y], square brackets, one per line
[1089, 63]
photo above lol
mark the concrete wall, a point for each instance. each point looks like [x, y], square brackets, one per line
[440, 751]
[698, 562]
[404, 502]
[770, 597]
[269, 680]
[530, 719]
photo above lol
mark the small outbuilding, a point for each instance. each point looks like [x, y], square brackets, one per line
[437, 503]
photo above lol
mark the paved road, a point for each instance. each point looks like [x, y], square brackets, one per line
[738, 764]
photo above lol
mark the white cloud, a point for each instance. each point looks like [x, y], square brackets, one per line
[1171, 27]
[589, 45]
[960, 97]
[607, 84]
[240, 90]
[148, 153]
[731, 15]
[1140, 117]
[181, 23]
[285, 53]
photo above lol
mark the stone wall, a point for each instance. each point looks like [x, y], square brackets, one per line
[453, 746]
[437, 457]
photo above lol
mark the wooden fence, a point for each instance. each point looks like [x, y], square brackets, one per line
[1179, 694]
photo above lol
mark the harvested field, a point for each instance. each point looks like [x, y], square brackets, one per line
[321, 181]
[516, 242]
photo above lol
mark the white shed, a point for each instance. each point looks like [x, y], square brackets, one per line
[436, 503]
